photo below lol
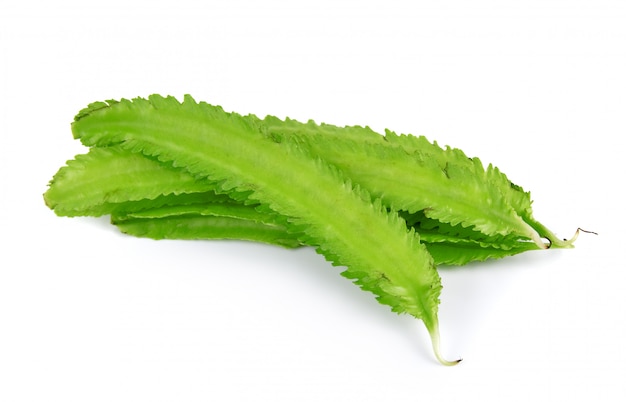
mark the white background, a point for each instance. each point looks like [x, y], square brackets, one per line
[536, 87]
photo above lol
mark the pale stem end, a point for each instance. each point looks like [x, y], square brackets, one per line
[434, 336]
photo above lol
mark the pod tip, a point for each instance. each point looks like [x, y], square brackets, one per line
[434, 336]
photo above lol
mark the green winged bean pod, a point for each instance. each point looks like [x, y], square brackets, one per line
[412, 174]
[339, 218]
[150, 199]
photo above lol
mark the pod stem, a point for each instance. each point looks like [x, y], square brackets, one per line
[435, 339]
[553, 239]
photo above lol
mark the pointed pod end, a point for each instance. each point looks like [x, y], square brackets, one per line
[569, 243]
[434, 337]
[448, 362]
